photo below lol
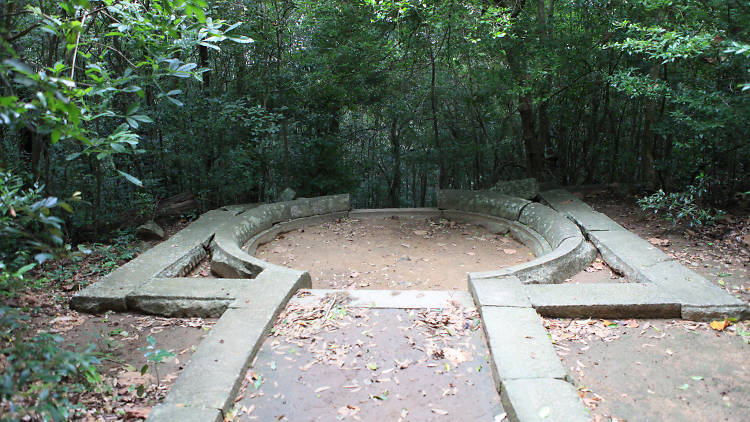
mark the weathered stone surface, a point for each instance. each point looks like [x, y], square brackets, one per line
[305, 207]
[521, 188]
[519, 344]
[578, 211]
[531, 239]
[173, 413]
[236, 209]
[391, 299]
[150, 231]
[607, 300]
[110, 292]
[571, 257]
[550, 224]
[542, 400]
[232, 262]
[186, 297]
[701, 300]
[183, 265]
[502, 291]
[287, 194]
[276, 284]
[484, 202]
[216, 369]
[395, 212]
[627, 253]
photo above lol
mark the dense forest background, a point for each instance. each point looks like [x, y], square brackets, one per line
[121, 104]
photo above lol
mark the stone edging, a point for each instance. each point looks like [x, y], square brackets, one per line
[698, 298]
[567, 252]
[526, 369]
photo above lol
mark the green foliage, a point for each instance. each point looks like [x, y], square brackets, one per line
[153, 357]
[683, 206]
[41, 379]
[28, 228]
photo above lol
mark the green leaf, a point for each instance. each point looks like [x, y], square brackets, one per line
[684, 387]
[55, 135]
[696, 377]
[142, 118]
[372, 366]
[130, 178]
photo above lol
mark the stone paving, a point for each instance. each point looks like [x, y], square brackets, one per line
[532, 382]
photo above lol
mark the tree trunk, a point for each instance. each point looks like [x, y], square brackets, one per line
[394, 193]
[648, 170]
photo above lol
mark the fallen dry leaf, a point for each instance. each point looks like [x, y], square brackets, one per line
[720, 325]
[659, 242]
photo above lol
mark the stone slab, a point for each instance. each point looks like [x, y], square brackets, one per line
[395, 212]
[384, 299]
[484, 202]
[531, 239]
[542, 400]
[186, 296]
[602, 300]
[519, 344]
[627, 253]
[502, 291]
[701, 300]
[111, 291]
[172, 413]
[215, 371]
[580, 212]
[305, 207]
[554, 227]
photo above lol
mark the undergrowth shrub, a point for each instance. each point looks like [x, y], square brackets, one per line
[40, 378]
[688, 205]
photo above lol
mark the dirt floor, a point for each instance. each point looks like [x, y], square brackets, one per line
[662, 370]
[719, 252]
[656, 370]
[679, 370]
[393, 253]
[332, 362]
[120, 339]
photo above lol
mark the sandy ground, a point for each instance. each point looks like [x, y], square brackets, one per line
[388, 253]
[371, 364]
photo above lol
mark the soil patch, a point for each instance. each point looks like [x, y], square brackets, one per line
[331, 362]
[657, 370]
[393, 253]
[719, 252]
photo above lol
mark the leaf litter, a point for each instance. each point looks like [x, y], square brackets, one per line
[441, 336]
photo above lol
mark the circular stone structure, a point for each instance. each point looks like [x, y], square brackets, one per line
[383, 251]
[559, 246]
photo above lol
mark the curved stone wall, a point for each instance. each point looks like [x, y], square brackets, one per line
[566, 253]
